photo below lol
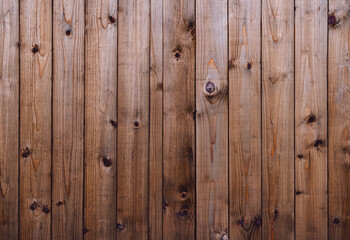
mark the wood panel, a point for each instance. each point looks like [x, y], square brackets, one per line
[100, 119]
[35, 119]
[278, 119]
[245, 119]
[212, 119]
[9, 122]
[156, 122]
[338, 117]
[68, 119]
[179, 123]
[133, 122]
[311, 119]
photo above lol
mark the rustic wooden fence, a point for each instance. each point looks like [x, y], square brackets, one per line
[174, 119]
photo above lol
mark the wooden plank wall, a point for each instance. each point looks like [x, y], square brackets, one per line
[163, 119]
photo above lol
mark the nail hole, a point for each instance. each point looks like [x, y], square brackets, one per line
[35, 48]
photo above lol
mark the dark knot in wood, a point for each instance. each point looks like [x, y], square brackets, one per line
[106, 161]
[311, 118]
[300, 155]
[258, 221]
[319, 143]
[111, 19]
[59, 203]
[68, 32]
[35, 48]
[46, 210]
[298, 192]
[120, 227]
[241, 222]
[136, 124]
[33, 206]
[210, 87]
[26, 152]
[336, 221]
[332, 20]
[113, 122]
[177, 53]
[249, 65]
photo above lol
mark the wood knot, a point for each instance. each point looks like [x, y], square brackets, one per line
[311, 118]
[319, 143]
[298, 192]
[210, 87]
[177, 53]
[300, 155]
[33, 206]
[46, 210]
[136, 124]
[276, 212]
[257, 221]
[249, 65]
[26, 152]
[68, 32]
[183, 195]
[332, 20]
[120, 227]
[241, 222]
[35, 48]
[183, 213]
[111, 19]
[85, 230]
[113, 122]
[59, 203]
[106, 161]
[336, 221]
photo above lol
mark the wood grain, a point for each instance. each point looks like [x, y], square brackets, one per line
[278, 119]
[9, 122]
[245, 119]
[338, 117]
[179, 124]
[35, 119]
[311, 119]
[212, 119]
[133, 118]
[156, 122]
[68, 119]
[100, 119]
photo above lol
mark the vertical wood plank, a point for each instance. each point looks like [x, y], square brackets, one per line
[179, 128]
[133, 121]
[156, 122]
[35, 119]
[212, 119]
[100, 119]
[338, 117]
[278, 118]
[9, 121]
[68, 119]
[311, 119]
[245, 118]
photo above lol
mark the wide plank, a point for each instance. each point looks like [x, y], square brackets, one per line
[35, 118]
[100, 119]
[245, 119]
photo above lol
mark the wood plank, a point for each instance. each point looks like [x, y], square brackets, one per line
[245, 119]
[338, 117]
[133, 121]
[35, 119]
[311, 119]
[9, 121]
[68, 119]
[278, 119]
[212, 119]
[156, 122]
[179, 124]
[100, 119]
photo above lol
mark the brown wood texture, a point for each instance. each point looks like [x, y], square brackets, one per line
[245, 119]
[9, 121]
[156, 122]
[278, 119]
[338, 120]
[35, 119]
[100, 119]
[133, 119]
[179, 123]
[212, 119]
[68, 119]
[311, 119]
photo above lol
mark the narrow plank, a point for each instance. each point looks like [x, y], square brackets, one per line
[35, 119]
[179, 124]
[100, 119]
[245, 119]
[133, 121]
[311, 119]
[212, 119]
[9, 121]
[68, 119]
[156, 122]
[278, 119]
[338, 117]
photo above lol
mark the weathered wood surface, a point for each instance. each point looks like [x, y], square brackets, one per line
[338, 120]
[212, 119]
[68, 119]
[100, 119]
[9, 121]
[311, 119]
[278, 119]
[179, 123]
[245, 119]
[35, 119]
[133, 119]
